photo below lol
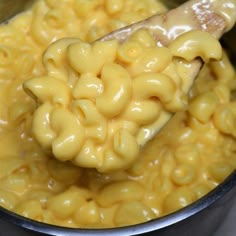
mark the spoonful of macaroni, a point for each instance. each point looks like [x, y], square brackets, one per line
[112, 96]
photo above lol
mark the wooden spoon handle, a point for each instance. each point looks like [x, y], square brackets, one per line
[213, 16]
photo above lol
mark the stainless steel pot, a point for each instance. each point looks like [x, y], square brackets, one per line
[204, 217]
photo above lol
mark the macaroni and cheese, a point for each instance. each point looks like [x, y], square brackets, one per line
[94, 127]
[113, 96]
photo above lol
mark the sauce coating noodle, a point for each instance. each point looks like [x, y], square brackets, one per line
[114, 84]
[179, 166]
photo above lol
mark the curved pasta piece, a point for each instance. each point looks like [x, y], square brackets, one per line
[54, 18]
[150, 85]
[113, 7]
[224, 120]
[125, 145]
[87, 86]
[203, 106]
[179, 103]
[129, 51]
[144, 37]
[117, 90]
[54, 58]
[70, 134]
[113, 193]
[88, 156]
[48, 89]
[142, 112]
[39, 30]
[183, 174]
[195, 43]
[125, 151]
[8, 35]
[147, 132]
[159, 86]
[82, 7]
[90, 58]
[132, 212]
[95, 123]
[222, 69]
[41, 125]
[154, 59]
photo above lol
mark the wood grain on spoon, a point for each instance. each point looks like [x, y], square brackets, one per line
[213, 16]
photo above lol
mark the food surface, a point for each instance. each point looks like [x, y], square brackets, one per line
[42, 54]
[111, 95]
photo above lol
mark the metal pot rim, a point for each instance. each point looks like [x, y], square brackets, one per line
[146, 227]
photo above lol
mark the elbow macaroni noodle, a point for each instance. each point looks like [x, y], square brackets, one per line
[95, 103]
[140, 95]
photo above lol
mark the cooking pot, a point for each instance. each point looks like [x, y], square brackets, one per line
[204, 217]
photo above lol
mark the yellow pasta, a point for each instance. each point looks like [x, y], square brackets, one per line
[224, 120]
[69, 137]
[129, 51]
[203, 106]
[53, 58]
[88, 86]
[68, 202]
[178, 199]
[8, 200]
[86, 58]
[46, 92]
[91, 118]
[30, 209]
[220, 170]
[95, 103]
[130, 84]
[132, 212]
[183, 174]
[90, 212]
[195, 44]
[154, 59]
[120, 191]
